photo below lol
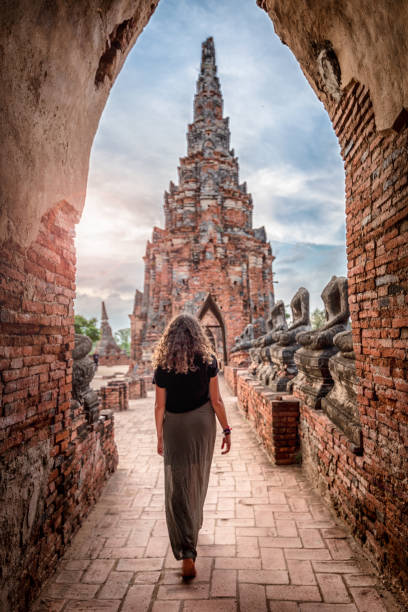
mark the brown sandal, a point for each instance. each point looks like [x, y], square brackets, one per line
[188, 569]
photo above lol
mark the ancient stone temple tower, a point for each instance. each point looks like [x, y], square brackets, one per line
[208, 260]
[109, 352]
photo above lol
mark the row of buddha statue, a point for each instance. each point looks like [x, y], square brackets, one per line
[318, 365]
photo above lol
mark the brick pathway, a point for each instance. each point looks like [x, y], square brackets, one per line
[267, 543]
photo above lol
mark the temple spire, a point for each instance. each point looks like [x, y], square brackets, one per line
[208, 69]
[208, 246]
[208, 53]
[104, 315]
[107, 344]
[209, 130]
[208, 100]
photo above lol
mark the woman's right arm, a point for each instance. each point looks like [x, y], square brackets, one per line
[219, 409]
[159, 408]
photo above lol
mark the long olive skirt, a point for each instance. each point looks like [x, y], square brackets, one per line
[189, 439]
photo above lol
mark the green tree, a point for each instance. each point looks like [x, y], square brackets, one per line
[87, 327]
[122, 337]
[318, 318]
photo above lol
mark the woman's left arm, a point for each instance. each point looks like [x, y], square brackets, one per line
[219, 409]
[159, 407]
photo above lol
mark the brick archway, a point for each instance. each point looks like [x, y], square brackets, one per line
[54, 94]
[210, 306]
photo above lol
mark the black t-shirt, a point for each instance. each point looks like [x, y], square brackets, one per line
[186, 392]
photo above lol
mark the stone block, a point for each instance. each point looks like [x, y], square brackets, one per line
[340, 404]
[114, 396]
[313, 380]
[274, 418]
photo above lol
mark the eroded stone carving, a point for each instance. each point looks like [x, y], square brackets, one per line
[263, 372]
[245, 340]
[299, 306]
[83, 372]
[282, 353]
[344, 341]
[335, 299]
[255, 356]
[330, 73]
[340, 42]
[313, 380]
[261, 352]
[275, 324]
[340, 404]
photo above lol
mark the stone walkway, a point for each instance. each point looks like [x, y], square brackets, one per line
[267, 543]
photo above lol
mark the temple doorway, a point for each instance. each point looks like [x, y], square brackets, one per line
[212, 320]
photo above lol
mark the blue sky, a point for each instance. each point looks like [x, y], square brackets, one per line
[287, 151]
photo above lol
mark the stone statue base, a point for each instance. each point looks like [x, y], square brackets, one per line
[284, 366]
[313, 381]
[340, 404]
[268, 375]
[266, 371]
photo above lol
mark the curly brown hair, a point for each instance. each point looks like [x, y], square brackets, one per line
[183, 341]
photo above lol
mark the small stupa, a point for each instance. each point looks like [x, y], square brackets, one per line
[107, 349]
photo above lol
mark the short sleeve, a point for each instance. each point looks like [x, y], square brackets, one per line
[213, 368]
[159, 377]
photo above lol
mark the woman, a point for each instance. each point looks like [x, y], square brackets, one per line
[187, 400]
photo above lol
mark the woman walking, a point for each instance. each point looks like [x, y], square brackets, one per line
[187, 400]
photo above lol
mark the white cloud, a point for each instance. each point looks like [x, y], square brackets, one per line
[297, 205]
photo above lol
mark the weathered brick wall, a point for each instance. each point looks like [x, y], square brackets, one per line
[115, 396]
[113, 360]
[274, 417]
[231, 377]
[371, 491]
[137, 389]
[52, 463]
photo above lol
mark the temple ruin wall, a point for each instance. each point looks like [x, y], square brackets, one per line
[56, 77]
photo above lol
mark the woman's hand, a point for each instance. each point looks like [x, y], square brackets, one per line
[226, 441]
[160, 445]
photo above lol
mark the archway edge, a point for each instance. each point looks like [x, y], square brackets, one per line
[58, 63]
[367, 42]
[211, 305]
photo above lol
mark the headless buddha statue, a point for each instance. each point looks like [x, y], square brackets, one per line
[283, 351]
[344, 342]
[245, 341]
[300, 317]
[335, 299]
[275, 324]
[83, 371]
[340, 404]
[265, 371]
[256, 360]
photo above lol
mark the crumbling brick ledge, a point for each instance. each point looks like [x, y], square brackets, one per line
[231, 376]
[273, 416]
